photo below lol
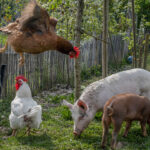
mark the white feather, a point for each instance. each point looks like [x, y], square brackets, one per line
[33, 112]
[20, 107]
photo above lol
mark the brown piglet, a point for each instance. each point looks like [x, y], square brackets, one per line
[124, 107]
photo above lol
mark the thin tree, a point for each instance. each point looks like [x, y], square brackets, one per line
[105, 38]
[146, 50]
[140, 53]
[77, 71]
[67, 59]
[134, 36]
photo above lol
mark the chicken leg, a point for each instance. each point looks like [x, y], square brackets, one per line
[21, 60]
[4, 48]
[28, 131]
[128, 126]
[14, 132]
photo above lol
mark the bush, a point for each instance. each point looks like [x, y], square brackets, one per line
[98, 116]
[65, 113]
[58, 98]
[93, 71]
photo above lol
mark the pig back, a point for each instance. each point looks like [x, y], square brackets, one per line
[128, 106]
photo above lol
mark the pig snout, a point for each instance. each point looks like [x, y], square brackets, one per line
[77, 132]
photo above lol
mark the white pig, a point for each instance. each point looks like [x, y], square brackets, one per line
[95, 95]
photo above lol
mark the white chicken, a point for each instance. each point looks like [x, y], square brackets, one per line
[24, 110]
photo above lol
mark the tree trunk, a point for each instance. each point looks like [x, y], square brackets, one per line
[105, 39]
[134, 36]
[140, 53]
[146, 50]
[77, 43]
[96, 49]
[67, 58]
[129, 30]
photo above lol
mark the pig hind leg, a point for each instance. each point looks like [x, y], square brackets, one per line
[128, 126]
[106, 123]
[143, 127]
[117, 125]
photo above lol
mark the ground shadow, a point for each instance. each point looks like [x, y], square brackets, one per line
[134, 140]
[37, 141]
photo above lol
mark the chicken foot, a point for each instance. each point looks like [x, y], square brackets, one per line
[28, 120]
[21, 60]
[4, 48]
[29, 131]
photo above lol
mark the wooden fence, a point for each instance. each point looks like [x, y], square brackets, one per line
[47, 69]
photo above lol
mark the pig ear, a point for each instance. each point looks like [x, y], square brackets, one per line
[82, 105]
[69, 105]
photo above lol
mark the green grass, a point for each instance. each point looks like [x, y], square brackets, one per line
[56, 131]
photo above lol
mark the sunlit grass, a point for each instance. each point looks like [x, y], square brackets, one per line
[56, 131]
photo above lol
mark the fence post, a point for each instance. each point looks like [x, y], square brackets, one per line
[2, 74]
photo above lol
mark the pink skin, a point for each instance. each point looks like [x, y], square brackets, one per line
[80, 125]
[81, 115]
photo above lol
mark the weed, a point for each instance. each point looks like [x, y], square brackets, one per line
[93, 71]
[56, 132]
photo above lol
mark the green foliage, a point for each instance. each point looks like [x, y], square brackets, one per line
[142, 9]
[92, 71]
[58, 98]
[118, 15]
[65, 12]
[4, 111]
[98, 116]
[65, 113]
[96, 71]
[10, 10]
[3, 38]
[113, 67]
[56, 133]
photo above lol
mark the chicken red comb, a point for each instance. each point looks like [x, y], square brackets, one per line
[21, 77]
[76, 49]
